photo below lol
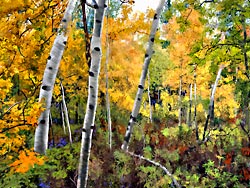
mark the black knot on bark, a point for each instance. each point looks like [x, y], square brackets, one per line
[96, 6]
[97, 49]
[42, 121]
[84, 130]
[138, 99]
[133, 118]
[98, 21]
[91, 107]
[91, 87]
[105, 6]
[140, 86]
[50, 68]
[64, 20]
[46, 88]
[49, 58]
[146, 55]
[152, 39]
[155, 16]
[91, 74]
[64, 42]
[127, 138]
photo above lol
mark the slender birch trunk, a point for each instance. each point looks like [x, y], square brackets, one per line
[92, 96]
[180, 102]
[190, 105]
[66, 113]
[53, 61]
[107, 85]
[62, 114]
[148, 55]
[149, 100]
[211, 104]
[51, 129]
[195, 109]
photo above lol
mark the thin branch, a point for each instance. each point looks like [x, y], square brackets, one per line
[207, 1]
[9, 128]
[158, 165]
[13, 105]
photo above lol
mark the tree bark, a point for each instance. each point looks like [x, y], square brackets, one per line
[149, 100]
[148, 55]
[53, 62]
[66, 113]
[107, 86]
[92, 96]
[62, 115]
[180, 102]
[195, 108]
[190, 106]
[211, 104]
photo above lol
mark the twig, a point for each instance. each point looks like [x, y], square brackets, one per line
[207, 1]
[13, 105]
[158, 165]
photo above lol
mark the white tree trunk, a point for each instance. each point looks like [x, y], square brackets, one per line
[148, 55]
[180, 102]
[66, 113]
[107, 85]
[211, 104]
[53, 61]
[149, 100]
[92, 96]
[63, 122]
[190, 106]
[195, 108]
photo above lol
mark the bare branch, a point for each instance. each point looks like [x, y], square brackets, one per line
[158, 165]
[10, 108]
[207, 1]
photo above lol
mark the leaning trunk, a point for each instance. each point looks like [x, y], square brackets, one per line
[92, 96]
[65, 109]
[211, 104]
[53, 61]
[147, 59]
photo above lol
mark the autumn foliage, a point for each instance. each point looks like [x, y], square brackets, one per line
[189, 47]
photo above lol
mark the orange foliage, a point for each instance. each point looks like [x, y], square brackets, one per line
[245, 172]
[229, 159]
[182, 149]
[245, 151]
[26, 160]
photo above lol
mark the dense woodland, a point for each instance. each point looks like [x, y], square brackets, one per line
[98, 94]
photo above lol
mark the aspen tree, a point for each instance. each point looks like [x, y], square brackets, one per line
[147, 58]
[53, 62]
[211, 104]
[107, 82]
[65, 109]
[94, 71]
